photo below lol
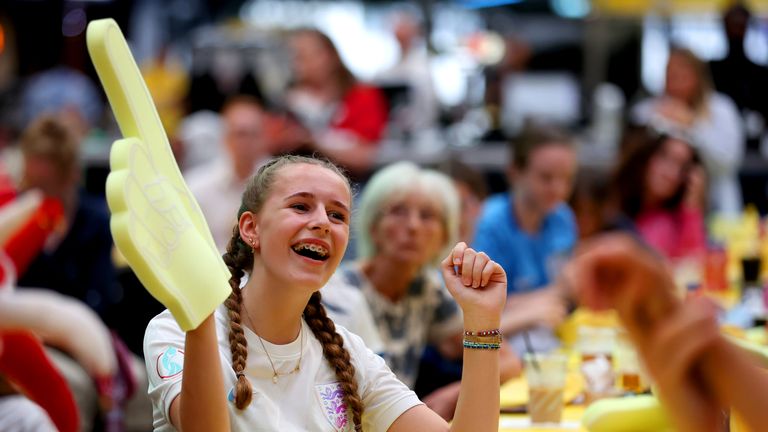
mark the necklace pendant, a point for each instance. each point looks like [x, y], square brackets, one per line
[274, 379]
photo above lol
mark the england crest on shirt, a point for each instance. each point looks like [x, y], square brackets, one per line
[334, 407]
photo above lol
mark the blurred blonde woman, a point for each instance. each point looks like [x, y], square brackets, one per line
[408, 218]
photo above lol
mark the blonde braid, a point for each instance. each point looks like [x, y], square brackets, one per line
[237, 258]
[336, 355]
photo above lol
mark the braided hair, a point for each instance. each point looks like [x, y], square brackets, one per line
[239, 259]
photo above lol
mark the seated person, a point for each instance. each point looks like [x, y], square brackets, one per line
[218, 184]
[77, 260]
[659, 188]
[337, 115]
[530, 232]
[408, 218]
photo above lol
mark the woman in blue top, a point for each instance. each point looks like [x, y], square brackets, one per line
[530, 232]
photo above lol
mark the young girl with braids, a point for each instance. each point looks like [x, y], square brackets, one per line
[270, 359]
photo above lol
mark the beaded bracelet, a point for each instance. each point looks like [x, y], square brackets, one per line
[485, 339]
[495, 339]
[475, 345]
[482, 333]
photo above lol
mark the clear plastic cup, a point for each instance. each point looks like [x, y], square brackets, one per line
[546, 375]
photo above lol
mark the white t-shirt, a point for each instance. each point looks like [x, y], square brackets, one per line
[427, 314]
[347, 307]
[308, 400]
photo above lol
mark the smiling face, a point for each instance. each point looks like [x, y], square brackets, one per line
[301, 232]
[410, 229]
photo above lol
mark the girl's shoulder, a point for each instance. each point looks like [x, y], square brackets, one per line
[352, 342]
[162, 323]
[164, 326]
[365, 359]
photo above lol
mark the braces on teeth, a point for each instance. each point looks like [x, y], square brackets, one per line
[314, 248]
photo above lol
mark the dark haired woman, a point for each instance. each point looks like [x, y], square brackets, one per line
[660, 187]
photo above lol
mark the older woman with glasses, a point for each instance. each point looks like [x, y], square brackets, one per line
[407, 218]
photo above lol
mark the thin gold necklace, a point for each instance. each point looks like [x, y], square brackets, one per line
[275, 373]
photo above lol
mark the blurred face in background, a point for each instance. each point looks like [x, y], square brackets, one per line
[406, 31]
[313, 62]
[410, 228]
[471, 205]
[682, 81]
[243, 136]
[49, 177]
[667, 170]
[547, 181]
[589, 213]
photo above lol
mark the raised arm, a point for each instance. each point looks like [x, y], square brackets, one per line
[202, 404]
[479, 285]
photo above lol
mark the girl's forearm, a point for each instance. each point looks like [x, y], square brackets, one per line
[202, 404]
[478, 405]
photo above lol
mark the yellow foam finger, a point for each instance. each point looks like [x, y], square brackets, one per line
[156, 223]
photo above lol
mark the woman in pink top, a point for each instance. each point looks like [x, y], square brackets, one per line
[660, 187]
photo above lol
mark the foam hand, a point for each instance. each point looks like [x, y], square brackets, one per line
[61, 322]
[635, 414]
[156, 223]
[23, 362]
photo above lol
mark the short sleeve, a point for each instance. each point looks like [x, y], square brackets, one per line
[385, 398]
[164, 358]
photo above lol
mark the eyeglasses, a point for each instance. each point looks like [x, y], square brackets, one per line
[404, 212]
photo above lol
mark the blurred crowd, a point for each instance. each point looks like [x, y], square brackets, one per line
[676, 167]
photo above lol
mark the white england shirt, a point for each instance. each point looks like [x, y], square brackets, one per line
[310, 400]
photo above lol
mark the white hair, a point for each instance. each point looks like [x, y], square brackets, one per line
[398, 179]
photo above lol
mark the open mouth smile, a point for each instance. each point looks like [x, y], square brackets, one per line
[312, 251]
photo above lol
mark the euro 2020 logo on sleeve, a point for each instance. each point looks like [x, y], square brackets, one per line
[170, 363]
